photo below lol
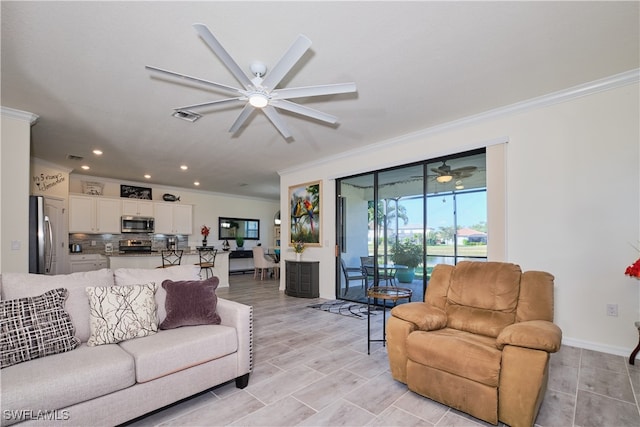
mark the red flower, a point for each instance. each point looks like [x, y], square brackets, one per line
[634, 269]
[205, 230]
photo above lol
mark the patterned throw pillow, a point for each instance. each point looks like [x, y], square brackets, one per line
[191, 303]
[35, 327]
[120, 313]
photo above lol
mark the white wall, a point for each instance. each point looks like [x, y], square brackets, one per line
[208, 206]
[14, 189]
[572, 200]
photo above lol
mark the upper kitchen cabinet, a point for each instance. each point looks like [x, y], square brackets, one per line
[134, 207]
[94, 215]
[172, 218]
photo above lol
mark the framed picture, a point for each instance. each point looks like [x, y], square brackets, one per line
[133, 192]
[305, 208]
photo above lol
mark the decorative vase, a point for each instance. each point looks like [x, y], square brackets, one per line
[204, 242]
[298, 256]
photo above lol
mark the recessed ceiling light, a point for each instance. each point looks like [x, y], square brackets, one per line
[196, 183]
[85, 167]
[97, 152]
[147, 176]
[184, 167]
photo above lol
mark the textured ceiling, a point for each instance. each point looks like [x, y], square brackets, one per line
[80, 66]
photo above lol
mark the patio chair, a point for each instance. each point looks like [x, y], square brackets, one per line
[352, 273]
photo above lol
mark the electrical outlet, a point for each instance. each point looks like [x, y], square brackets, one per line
[612, 310]
[93, 243]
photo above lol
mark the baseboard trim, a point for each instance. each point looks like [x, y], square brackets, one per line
[589, 345]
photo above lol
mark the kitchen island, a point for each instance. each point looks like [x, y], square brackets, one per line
[154, 259]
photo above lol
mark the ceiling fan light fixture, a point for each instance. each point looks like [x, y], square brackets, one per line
[258, 100]
[443, 179]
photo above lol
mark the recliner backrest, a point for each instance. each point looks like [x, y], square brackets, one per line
[484, 297]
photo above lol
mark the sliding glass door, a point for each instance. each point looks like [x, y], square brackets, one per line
[395, 225]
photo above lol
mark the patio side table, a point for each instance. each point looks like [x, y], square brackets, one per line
[384, 293]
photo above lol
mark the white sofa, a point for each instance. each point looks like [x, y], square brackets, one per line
[113, 383]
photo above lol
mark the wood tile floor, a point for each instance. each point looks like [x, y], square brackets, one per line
[312, 369]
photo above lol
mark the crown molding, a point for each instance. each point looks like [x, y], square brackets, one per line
[590, 88]
[19, 114]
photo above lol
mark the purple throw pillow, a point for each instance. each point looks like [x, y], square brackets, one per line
[191, 303]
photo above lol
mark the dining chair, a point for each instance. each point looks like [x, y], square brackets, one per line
[171, 257]
[262, 265]
[207, 257]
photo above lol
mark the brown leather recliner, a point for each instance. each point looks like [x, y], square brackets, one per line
[479, 342]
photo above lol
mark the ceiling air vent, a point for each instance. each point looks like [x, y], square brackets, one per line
[189, 116]
[72, 157]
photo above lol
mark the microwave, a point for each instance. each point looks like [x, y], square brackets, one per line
[137, 224]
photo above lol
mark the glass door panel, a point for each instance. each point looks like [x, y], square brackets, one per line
[401, 229]
[354, 235]
[408, 219]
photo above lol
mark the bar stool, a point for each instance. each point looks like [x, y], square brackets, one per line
[171, 258]
[207, 260]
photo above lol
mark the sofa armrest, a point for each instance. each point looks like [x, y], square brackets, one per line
[425, 316]
[535, 334]
[240, 317]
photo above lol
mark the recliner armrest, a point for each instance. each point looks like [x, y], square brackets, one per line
[425, 316]
[535, 334]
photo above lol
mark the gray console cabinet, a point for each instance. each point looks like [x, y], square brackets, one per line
[303, 279]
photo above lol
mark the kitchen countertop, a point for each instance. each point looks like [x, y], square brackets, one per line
[157, 253]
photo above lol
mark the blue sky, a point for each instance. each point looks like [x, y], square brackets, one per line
[472, 209]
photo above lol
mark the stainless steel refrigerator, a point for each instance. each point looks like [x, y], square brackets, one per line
[40, 237]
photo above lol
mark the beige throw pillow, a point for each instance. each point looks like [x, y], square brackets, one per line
[120, 313]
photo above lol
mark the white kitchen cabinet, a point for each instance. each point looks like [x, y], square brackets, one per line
[173, 219]
[88, 262]
[94, 215]
[136, 207]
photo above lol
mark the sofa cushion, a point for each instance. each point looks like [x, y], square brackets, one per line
[65, 379]
[19, 285]
[119, 313]
[191, 303]
[136, 276]
[174, 350]
[33, 327]
[460, 353]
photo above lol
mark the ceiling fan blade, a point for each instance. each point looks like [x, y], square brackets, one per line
[209, 103]
[299, 92]
[224, 88]
[223, 55]
[465, 169]
[244, 115]
[288, 60]
[305, 111]
[277, 121]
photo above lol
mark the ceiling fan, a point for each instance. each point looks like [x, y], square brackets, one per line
[261, 92]
[446, 174]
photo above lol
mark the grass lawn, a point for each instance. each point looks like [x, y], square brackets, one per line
[475, 250]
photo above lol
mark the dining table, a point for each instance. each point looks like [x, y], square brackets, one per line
[386, 272]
